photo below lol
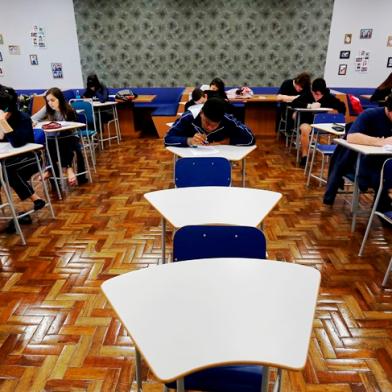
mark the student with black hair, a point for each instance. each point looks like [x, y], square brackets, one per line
[211, 126]
[95, 89]
[198, 97]
[20, 168]
[217, 89]
[318, 97]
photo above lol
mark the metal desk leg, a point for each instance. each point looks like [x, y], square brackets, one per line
[180, 385]
[163, 240]
[117, 124]
[52, 168]
[62, 182]
[243, 173]
[298, 138]
[138, 361]
[355, 202]
[45, 188]
[100, 129]
[265, 382]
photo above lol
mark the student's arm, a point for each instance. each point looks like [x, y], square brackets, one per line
[286, 98]
[41, 115]
[102, 94]
[240, 134]
[180, 132]
[21, 134]
[378, 95]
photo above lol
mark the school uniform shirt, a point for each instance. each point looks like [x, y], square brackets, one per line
[287, 88]
[187, 126]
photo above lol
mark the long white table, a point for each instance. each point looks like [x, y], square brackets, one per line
[213, 312]
[7, 151]
[361, 150]
[211, 206]
[232, 153]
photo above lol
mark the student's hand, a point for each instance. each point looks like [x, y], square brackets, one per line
[198, 139]
[315, 105]
[387, 140]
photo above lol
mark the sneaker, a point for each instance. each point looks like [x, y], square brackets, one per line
[38, 204]
[302, 162]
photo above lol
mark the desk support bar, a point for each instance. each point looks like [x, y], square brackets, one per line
[163, 241]
[243, 173]
[138, 361]
[180, 385]
[265, 381]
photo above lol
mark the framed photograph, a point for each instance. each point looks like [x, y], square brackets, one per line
[1, 57]
[342, 69]
[347, 38]
[1, 72]
[389, 62]
[365, 33]
[33, 59]
[1, 39]
[14, 49]
[389, 41]
[57, 70]
[344, 54]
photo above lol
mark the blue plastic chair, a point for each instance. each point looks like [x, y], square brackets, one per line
[85, 111]
[326, 150]
[202, 171]
[193, 242]
[385, 183]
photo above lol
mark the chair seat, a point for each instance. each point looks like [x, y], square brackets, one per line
[87, 133]
[225, 379]
[326, 149]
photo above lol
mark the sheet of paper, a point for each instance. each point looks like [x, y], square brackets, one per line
[204, 150]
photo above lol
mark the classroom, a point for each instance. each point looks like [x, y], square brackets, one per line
[151, 151]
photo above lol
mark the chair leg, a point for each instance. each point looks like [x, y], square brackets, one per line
[386, 276]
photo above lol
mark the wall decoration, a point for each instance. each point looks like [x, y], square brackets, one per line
[362, 61]
[389, 41]
[1, 57]
[389, 62]
[366, 33]
[1, 72]
[38, 36]
[33, 59]
[14, 49]
[344, 54]
[347, 38]
[57, 70]
[1, 39]
[342, 69]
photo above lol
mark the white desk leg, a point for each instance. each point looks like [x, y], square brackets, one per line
[45, 188]
[313, 156]
[278, 381]
[298, 138]
[62, 182]
[389, 269]
[265, 381]
[56, 185]
[138, 360]
[355, 202]
[180, 385]
[243, 173]
[163, 241]
[117, 124]
[100, 128]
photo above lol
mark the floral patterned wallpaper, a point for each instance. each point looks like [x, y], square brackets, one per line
[184, 42]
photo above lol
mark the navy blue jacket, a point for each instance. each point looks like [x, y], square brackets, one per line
[187, 126]
[22, 129]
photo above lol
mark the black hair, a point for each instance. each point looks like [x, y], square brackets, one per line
[319, 85]
[219, 83]
[214, 109]
[8, 99]
[93, 81]
[65, 108]
[197, 93]
[303, 80]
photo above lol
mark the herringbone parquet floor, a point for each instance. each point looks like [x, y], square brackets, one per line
[57, 332]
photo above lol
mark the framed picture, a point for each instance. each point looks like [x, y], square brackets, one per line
[344, 54]
[389, 41]
[365, 33]
[14, 49]
[1, 39]
[33, 59]
[1, 57]
[342, 69]
[57, 70]
[347, 38]
[389, 62]
[1, 72]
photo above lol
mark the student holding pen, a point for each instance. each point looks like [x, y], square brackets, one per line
[211, 126]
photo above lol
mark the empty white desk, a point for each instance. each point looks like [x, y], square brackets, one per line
[197, 314]
[99, 107]
[212, 205]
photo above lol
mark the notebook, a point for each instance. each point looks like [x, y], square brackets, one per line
[4, 128]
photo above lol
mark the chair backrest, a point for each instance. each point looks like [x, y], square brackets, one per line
[329, 118]
[202, 171]
[38, 102]
[200, 242]
[86, 105]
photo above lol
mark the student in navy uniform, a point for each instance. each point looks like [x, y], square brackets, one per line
[318, 97]
[211, 126]
[95, 89]
[20, 168]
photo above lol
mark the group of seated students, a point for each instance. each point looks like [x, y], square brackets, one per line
[21, 168]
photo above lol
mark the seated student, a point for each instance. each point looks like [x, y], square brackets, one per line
[19, 168]
[373, 127]
[211, 126]
[198, 97]
[57, 109]
[382, 91]
[319, 97]
[95, 89]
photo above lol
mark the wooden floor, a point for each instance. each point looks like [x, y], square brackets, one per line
[57, 332]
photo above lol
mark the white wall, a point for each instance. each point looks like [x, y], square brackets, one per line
[17, 18]
[349, 16]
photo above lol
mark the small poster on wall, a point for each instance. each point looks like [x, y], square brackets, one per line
[347, 38]
[342, 69]
[1, 39]
[365, 33]
[389, 62]
[57, 70]
[14, 49]
[1, 57]
[389, 41]
[362, 61]
[38, 36]
[1, 72]
[344, 54]
[33, 59]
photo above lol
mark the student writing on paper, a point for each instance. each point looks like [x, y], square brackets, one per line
[373, 127]
[57, 109]
[19, 168]
[211, 126]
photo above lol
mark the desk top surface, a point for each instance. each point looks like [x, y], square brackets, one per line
[196, 314]
[362, 149]
[213, 205]
[327, 127]
[98, 104]
[255, 98]
[312, 110]
[65, 126]
[7, 151]
[232, 153]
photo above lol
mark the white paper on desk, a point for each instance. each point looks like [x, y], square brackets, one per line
[387, 148]
[195, 109]
[204, 150]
